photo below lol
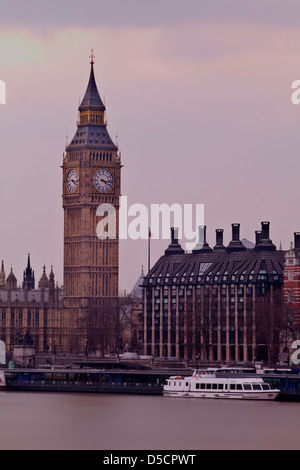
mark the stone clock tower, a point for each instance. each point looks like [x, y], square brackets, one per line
[91, 177]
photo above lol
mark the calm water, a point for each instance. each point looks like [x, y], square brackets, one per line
[99, 422]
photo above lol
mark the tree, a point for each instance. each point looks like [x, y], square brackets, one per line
[269, 320]
[108, 328]
[100, 328]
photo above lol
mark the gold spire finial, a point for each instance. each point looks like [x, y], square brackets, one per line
[92, 56]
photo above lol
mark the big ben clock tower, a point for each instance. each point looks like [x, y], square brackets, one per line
[91, 177]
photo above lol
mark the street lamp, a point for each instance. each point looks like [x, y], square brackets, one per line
[54, 349]
[86, 351]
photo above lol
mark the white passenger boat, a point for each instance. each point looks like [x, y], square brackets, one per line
[205, 384]
[2, 381]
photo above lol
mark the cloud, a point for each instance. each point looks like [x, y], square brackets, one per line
[137, 13]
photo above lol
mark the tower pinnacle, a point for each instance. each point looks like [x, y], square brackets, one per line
[91, 123]
[92, 57]
[28, 276]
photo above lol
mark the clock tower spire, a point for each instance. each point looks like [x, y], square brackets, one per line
[91, 109]
[91, 177]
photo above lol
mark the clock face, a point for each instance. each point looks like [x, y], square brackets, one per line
[72, 181]
[103, 180]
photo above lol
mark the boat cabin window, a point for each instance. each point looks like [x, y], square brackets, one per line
[209, 386]
[256, 387]
[266, 387]
[236, 387]
[247, 387]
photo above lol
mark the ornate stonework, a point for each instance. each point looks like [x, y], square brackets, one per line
[91, 177]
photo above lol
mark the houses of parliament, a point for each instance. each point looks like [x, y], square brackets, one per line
[59, 318]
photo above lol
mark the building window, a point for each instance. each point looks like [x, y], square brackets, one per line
[291, 296]
[262, 274]
[36, 318]
[3, 319]
[20, 318]
[290, 276]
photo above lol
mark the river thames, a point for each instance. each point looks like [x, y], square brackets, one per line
[61, 421]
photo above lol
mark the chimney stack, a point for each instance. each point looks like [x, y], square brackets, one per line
[258, 236]
[174, 234]
[235, 244]
[202, 245]
[219, 239]
[263, 241]
[235, 232]
[297, 240]
[265, 229]
[174, 248]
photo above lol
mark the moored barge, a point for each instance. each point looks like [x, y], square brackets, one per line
[85, 381]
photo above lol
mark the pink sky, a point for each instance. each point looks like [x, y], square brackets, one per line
[202, 108]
